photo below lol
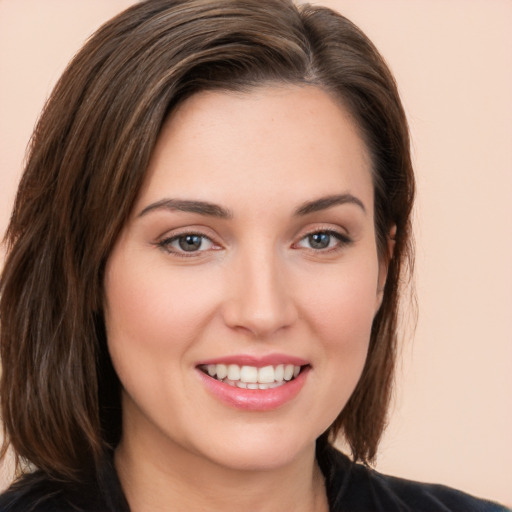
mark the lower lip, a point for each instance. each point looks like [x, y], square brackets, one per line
[255, 399]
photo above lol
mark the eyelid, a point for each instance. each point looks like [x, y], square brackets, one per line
[340, 234]
[163, 242]
[324, 228]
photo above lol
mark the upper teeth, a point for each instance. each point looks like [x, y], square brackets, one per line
[252, 374]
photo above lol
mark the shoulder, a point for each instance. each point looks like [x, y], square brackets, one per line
[33, 493]
[358, 488]
[36, 492]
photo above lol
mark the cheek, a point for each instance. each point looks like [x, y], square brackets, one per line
[339, 310]
[153, 317]
[155, 308]
[342, 304]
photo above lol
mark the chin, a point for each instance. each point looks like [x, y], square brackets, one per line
[263, 452]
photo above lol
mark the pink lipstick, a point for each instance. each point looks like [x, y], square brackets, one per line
[254, 383]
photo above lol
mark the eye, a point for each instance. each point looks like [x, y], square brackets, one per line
[187, 243]
[322, 240]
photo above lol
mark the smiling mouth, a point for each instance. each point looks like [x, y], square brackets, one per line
[252, 377]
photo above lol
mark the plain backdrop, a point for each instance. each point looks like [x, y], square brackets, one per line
[452, 417]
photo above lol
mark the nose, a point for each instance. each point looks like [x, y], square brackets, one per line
[260, 299]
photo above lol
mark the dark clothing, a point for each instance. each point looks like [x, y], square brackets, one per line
[356, 488]
[350, 488]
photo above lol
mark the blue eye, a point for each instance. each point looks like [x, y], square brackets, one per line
[186, 243]
[321, 240]
[190, 243]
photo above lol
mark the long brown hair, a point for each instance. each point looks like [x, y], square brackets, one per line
[87, 161]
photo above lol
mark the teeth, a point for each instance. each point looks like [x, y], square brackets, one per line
[233, 372]
[249, 374]
[266, 375]
[288, 372]
[221, 371]
[251, 377]
[279, 373]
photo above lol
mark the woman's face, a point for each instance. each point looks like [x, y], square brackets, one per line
[249, 262]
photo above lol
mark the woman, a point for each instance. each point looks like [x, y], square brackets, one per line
[206, 249]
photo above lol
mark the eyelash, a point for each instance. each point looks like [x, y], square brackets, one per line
[342, 241]
[165, 244]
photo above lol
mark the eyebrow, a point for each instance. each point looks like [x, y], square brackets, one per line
[214, 210]
[184, 205]
[323, 203]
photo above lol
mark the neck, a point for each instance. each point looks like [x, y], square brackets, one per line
[158, 480]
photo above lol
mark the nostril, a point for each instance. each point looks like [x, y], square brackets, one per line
[259, 300]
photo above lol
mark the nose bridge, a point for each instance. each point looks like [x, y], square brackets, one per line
[260, 300]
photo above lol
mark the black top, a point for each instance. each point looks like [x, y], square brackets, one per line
[350, 488]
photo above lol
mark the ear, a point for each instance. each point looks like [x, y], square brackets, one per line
[384, 261]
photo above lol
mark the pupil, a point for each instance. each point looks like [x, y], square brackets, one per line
[319, 240]
[190, 242]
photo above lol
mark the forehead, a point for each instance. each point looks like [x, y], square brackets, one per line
[274, 142]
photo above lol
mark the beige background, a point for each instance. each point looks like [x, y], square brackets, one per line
[452, 421]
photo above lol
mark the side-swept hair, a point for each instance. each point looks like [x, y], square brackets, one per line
[60, 396]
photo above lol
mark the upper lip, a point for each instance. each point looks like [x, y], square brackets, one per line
[257, 361]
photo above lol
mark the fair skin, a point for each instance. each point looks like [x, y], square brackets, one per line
[251, 245]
